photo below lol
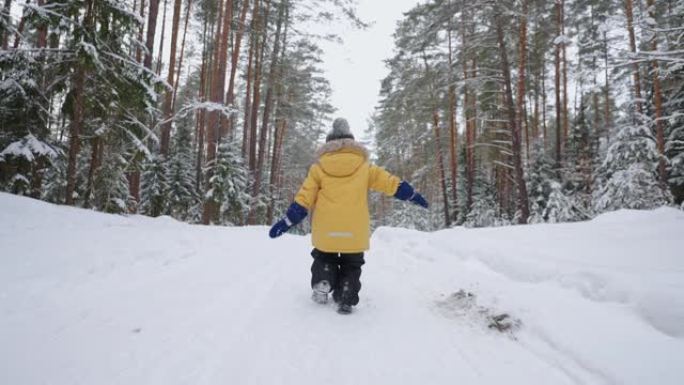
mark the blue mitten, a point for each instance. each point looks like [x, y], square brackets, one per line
[419, 200]
[278, 229]
[405, 192]
[295, 214]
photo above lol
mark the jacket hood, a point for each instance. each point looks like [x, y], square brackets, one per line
[341, 157]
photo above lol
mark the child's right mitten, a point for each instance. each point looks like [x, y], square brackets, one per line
[406, 192]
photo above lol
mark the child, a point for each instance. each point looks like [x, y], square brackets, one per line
[337, 185]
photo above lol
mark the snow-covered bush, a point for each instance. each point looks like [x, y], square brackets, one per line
[182, 188]
[111, 191]
[485, 213]
[154, 187]
[559, 207]
[633, 188]
[627, 177]
[23, 164]
[227, 186]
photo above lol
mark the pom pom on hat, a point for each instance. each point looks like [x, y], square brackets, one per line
[340, 130]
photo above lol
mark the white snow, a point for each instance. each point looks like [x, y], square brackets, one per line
[90, 298]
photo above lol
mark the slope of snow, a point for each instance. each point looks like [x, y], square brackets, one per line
[89, 298]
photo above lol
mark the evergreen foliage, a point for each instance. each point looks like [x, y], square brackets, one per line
[182, 197]
[228, 184]
[627, 176]
[111, 192]
[155, 187]
[80, 108]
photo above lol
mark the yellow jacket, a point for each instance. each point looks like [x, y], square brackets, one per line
[337, 186]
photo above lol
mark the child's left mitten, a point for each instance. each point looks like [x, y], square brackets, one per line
[295, 214]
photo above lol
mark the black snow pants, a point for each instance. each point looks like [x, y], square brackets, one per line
[342, 271]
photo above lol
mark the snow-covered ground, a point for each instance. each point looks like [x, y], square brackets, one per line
[88, 298]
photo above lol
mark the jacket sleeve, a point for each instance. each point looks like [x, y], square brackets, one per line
[307, 194]
[382, 181]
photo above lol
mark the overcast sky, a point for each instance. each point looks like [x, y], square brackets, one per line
[356, 67]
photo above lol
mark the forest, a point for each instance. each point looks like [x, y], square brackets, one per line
[210, 111]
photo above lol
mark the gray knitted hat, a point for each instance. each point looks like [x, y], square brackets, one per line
[340, 130]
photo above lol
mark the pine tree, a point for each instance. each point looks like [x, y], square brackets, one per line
[227, 187]
[155, 187]
[672, 70]
[578, 164]
[539, 178]
[182, 194]
[675, 144]
[27, 151]
[111, 192]
[23, 164]
[628, 177]
[560, 207]
[485, 211]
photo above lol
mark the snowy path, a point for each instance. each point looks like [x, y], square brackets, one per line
[87, 298]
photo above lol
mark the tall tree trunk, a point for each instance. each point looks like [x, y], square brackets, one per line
[230, 95]
[42, 30]
[559, 123]
[467, 112]
[168, 97]
[544, 102]
[182, 54]
[161, 41]
[453, 130]
[535, 113]
[521, 72]
[138, 51]
[538, 63]
[607, 113]
[5, 33]
[658, 103]
[78, 115]
[632, 47]
[565, 77]
[213, 69]
[246, 128]
[95, 144]
[280, 124]
[222, 126]
[210, 209]
[259, 49]
[440, 166]
[523, 204]
[256, 103]
[151, 30]
[438, 145]
[20, 29]
[268, 101]
[201, 112]
[472, 133]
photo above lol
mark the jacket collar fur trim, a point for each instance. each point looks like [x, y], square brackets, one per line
[336, 145]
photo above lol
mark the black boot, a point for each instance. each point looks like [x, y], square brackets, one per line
[344, 309]
[349, 280]
[324, 271]
[320, 292]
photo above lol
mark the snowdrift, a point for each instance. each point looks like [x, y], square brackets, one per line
[89, 298]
